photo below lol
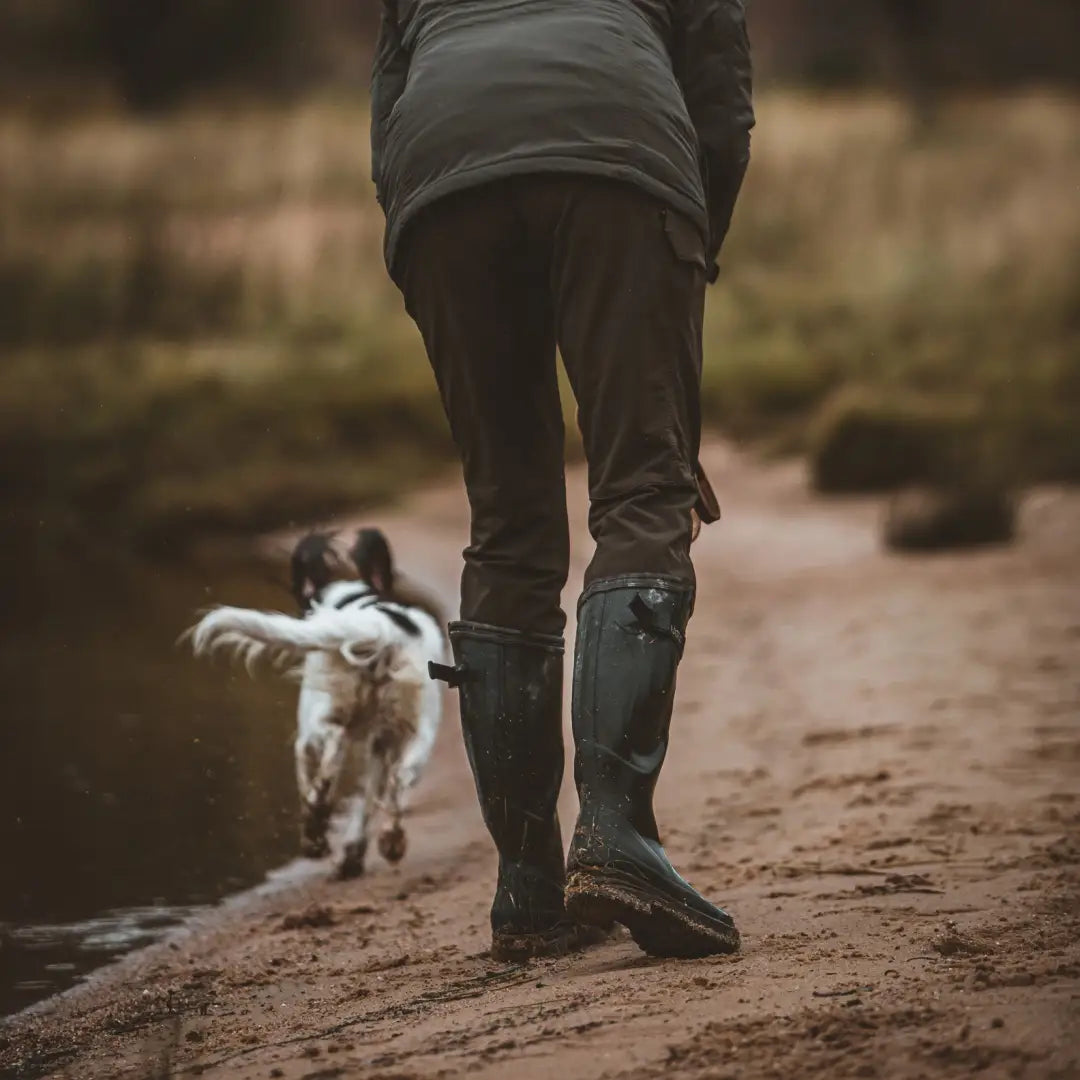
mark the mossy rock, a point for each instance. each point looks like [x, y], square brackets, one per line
[761, 391]
[939, 519]
[873, 441]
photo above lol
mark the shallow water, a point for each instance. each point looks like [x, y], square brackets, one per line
[136, 785]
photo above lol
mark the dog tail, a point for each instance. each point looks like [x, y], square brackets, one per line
[358, 637]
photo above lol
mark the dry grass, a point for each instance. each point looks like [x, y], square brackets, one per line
[947, 263]
[200, 334]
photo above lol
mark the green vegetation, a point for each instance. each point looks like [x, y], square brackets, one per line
[199, 335]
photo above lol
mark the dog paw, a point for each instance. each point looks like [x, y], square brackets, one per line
[352, 862]
[314, 847]
[313, 841]
[392, 844]
[314, 826]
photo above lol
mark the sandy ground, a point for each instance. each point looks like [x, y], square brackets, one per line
[875, 766]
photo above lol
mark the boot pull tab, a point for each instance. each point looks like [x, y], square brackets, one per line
[647, 620]
[454, 676]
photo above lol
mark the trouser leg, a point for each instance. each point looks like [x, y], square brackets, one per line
[477, 289]
[628, 276]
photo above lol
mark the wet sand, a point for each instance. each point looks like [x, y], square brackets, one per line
[875, 765]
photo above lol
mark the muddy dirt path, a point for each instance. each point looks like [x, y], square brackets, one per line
[875, 765]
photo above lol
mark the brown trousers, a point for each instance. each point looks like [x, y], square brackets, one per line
[496, 278]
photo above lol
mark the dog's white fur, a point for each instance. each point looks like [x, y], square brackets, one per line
[364, 693]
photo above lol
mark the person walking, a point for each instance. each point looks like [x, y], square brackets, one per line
[562, 173]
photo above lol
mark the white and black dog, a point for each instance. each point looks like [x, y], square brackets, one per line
[360, 647]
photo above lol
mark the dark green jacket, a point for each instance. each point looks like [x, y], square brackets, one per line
[654, 92]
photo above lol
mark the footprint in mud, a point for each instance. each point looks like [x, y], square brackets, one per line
[739, 776]
[890, 885]
[885, 842]
[948, 817]
[883, 796]
[728, 808]
[387, 963]
[899, 883]
[316, 917]
[951, 942]
[828, 736]
[424, 885]
[1063, 851]
[1052, 749]
[836, 783]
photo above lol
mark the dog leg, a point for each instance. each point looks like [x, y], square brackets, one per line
[392, 840]
[418, 751]
[359, 825]
[314, 810]
[356, 841]
[367, 802]
[332, 761]
[319, 773]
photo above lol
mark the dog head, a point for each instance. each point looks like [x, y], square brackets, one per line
[314, 564]
[374, 563]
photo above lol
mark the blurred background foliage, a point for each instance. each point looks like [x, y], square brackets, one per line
[155, 57]
[198, 336]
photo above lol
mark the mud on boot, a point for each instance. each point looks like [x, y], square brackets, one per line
[511, 718]
[528, 915]
[630, 640]
[618, 875]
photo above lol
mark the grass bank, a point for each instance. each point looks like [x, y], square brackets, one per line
[199, 335]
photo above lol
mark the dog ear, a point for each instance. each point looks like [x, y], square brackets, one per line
[313, 565]
[370, 554]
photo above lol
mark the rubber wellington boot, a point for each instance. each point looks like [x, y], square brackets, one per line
[629, 643]
[511, 715]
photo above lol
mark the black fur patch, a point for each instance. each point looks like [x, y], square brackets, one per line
[374, 563]
[314, 564]
[366, 599]
[351, 598]
[401, 620]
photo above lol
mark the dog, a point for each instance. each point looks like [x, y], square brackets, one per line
[361, 651]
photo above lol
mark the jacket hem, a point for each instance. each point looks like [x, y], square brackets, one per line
[464, 179]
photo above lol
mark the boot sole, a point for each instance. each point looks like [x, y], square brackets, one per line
[658, 926]
[519, 947]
